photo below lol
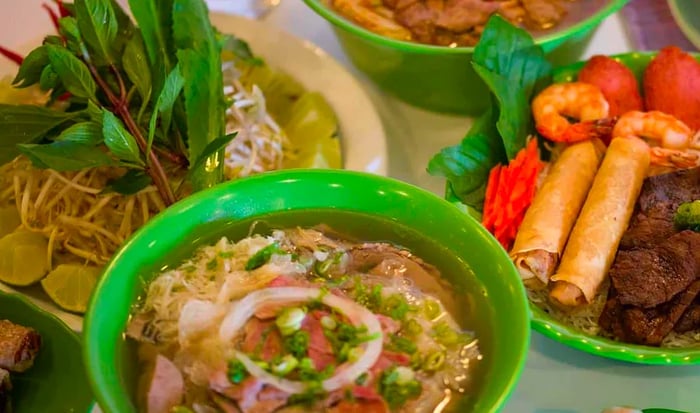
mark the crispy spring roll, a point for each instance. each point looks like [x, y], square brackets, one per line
[548, 222]
[18, 346]
[604, 218]
[5, 387]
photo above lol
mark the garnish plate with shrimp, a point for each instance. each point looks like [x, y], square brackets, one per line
[594, 189]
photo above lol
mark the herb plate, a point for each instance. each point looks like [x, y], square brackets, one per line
[362, 133]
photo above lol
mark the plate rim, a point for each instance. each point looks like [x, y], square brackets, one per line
[692, 33]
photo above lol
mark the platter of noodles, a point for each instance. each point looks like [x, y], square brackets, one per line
[599, 204]
[65, 207]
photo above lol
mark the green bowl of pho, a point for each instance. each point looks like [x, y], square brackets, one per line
[295, 291]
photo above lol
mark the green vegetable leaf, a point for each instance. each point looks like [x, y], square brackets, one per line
[88, 133]
[98, 24]
[155, 21]
[26, 124]
[199, 56]
[261, 257]
[74, 75]
[30, 71]
[122, 144]
[211, 149]
[49, 79]
[136, 66]
[515, 69]
[130, 183]
[239, 48]
[688, 216]
[164, 105]
[68, 27]
[65, 156]
[53, 39]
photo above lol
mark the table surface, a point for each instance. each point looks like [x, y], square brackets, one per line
[557, 379]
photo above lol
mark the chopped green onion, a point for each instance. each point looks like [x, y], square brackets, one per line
[328, 322]
[431, 309]
[403, 345]
[213, 264]
[285, 366]
[434, 361]
[261, 257]
[354, 354]
[395, 306]
[404, 375]
[394, 393]
[225, 254]
[263, 364]
[297, 344]
[290, 320]
[362, 379]
[448, 337]
[236, 371]
[412, 328]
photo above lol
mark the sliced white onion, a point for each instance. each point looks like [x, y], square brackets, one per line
[242, 310]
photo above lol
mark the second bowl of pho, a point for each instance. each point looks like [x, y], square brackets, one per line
[308, 291]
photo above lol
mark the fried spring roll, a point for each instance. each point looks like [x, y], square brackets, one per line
[5, 387]
[604, 218]
[548, 222]
[18, 346]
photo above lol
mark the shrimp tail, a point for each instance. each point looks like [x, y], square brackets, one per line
[673, 158]
[599, 128]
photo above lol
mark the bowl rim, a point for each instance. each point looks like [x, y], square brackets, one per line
[599, 346]
[413, 47]
[99, 370]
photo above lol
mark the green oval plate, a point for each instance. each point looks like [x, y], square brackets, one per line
[603, 347]
[57, 382]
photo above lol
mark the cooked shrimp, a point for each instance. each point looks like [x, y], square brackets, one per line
[671, 132]
[669, 137]
[362, 12]
[560, 101]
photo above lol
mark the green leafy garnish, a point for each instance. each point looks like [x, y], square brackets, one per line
[147, 99]
[261, 257]
[297, 344]
[449, 337]
[515, 69]
[688, 216]
[395, 392]
[402, 344]
[236, 371]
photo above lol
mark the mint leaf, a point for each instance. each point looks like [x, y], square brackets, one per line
[164, 105]
[135, 63]
[155, 21]
[65, 156]
[98, 25]
[26, 124]
[130, 183]
[199, 57]
[30, 71]
[74, 75]
[88, 133]
[122, 144]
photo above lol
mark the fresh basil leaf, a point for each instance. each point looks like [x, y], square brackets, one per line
[125, 28]
[98, 26]
[515, 69]
[94, 112]
[26, 124]
[30, 70]
[199, 57]
[136, 66]
[164, 105]
[74, 75]
[49, 79]
[88, 133]
[154, 18]
[122, 144]
[68, 27]
[466, 166]
[65, 156]
[212, 149]
[239, 48]
[130, 183]
[53, 39]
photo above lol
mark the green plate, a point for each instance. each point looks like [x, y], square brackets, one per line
[57, 382]
[569, 336]
[686, 14]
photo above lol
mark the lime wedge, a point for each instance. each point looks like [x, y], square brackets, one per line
[23, 258]
[70, 285]
[9, 220]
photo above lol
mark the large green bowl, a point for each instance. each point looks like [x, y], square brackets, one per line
[441, 78]
[57, 382]
[496, 293]
[545, 324]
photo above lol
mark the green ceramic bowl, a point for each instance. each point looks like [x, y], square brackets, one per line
[603, 347]
[441, 78]
[57, 382]
[369, 206]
